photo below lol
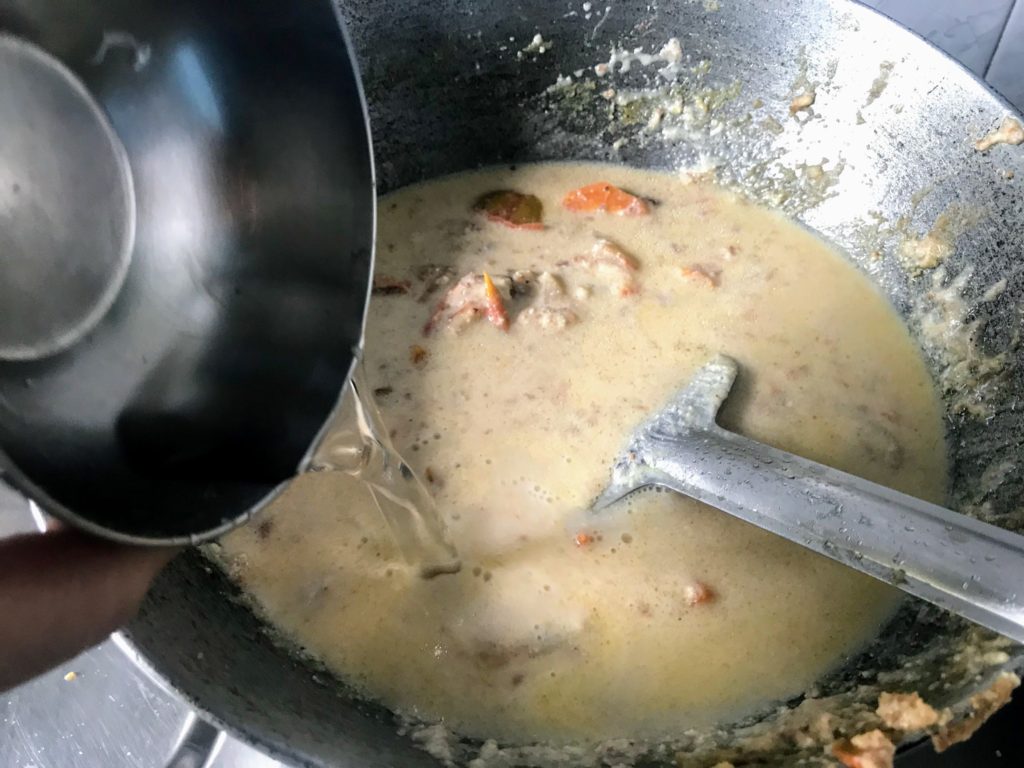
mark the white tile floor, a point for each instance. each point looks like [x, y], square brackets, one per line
[1006, 72]
[987, 36]
[968, 30]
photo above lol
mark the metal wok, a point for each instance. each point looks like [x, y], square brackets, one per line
[885, 150]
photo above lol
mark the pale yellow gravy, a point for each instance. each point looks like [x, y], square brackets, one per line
[539, 638]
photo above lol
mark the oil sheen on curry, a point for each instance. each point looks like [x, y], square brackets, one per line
[525, 320]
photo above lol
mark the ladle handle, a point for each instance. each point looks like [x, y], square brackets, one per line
[956, 562]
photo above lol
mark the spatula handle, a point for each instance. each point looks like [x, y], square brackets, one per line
[956, 562]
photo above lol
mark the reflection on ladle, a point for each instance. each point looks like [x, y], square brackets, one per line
[358, 444]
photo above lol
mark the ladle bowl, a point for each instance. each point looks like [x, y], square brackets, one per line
[184, 263]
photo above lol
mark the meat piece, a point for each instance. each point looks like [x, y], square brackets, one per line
[513, 209]
[608, 261]
[606, 253]
[471, 299]
[550, 287]
[390, 286]
[551, 308]
[704, 275]
[698, 593]
[906, 712]
[868, 750]
[603, 196]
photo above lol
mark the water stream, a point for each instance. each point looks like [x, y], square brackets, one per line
[358, 444]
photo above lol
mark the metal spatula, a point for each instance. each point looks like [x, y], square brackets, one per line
[956, 562]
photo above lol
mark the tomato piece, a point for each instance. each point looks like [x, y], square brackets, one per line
[582, 539]
[603, 196]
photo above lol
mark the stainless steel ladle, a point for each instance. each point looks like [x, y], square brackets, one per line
[956, 562]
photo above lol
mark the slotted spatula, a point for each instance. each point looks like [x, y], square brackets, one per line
[956, 562]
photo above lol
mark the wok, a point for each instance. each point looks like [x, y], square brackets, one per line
[885, 150]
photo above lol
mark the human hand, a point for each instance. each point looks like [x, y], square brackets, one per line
[63, 592]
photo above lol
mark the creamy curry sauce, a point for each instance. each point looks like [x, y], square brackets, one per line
[669, 615]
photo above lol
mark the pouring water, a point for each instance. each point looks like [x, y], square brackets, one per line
[359, 445]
